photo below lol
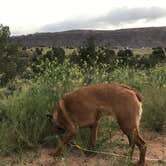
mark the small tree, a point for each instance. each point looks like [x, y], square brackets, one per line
[38, 51]
[125, 57]
[87, 53]
[158, 55]
[59, 53]
[9, 63]
[109, 57]
[4, 38]
[49, 55]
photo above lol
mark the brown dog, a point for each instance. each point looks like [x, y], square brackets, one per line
[85, 106]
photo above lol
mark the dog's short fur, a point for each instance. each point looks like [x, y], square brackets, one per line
[85, 106]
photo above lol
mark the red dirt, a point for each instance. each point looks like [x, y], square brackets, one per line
[156, 150]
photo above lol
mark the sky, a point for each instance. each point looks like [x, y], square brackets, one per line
[31, 16]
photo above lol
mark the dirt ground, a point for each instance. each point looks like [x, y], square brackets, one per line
[156, 150]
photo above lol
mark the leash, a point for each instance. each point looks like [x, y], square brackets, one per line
[112, 154]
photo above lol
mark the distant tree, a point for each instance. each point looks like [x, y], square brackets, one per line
[74, 58]
[109, 56]
[59, 53]
[4, 37]
[49, 55]
[24, 48]
[9, 56]
[92, 55]
[87, 53]
[55, 52]
[125, 57]
[144, 62]
[39, 61]
[158, 55]
[39, 51]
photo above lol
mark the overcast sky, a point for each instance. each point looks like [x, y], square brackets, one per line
[30, 16]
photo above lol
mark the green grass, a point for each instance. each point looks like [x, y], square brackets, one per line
[154, 109]
[145, 51]
[139, 51]
[23, 124]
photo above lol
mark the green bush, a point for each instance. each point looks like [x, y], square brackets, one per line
[22, 115]
[25, 124]
[154, 108]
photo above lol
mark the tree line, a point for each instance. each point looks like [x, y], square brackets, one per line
[18, 61]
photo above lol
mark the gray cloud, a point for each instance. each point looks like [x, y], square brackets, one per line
[125, 15]
[115, 17]
[70, 24]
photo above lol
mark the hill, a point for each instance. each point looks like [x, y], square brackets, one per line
[134, 38]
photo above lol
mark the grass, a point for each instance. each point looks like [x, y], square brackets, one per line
[139, 51]
[65, 160]
[68, 51]
[154, 114]
[145, 51]
[23, 124]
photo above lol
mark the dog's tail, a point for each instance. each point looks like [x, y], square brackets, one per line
[138, 94]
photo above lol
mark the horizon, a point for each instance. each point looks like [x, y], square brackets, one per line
[70, 30]
[29, 17]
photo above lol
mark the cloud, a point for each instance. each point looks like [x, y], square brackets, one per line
[70, 24]
[116, 17]
[125, 15]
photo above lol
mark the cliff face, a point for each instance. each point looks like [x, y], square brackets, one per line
[134, 38]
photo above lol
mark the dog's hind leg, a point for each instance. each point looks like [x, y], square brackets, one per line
[142, 148]
[131, 143]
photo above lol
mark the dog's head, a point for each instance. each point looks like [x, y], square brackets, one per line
[55, 122]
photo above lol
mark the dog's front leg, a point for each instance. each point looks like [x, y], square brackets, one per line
[66, 139]
[93, 135]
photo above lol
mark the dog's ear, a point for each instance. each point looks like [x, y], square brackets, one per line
[49, 116]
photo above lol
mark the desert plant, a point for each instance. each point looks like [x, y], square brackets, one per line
[154, 108]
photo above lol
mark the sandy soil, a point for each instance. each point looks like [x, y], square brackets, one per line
[156, 150]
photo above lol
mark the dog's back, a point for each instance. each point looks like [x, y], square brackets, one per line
[88, 103]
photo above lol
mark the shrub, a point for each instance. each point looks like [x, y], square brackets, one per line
[24, 124]
[22, 115]
[154, 113]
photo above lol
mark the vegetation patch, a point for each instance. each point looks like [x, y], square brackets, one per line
[33, 90]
